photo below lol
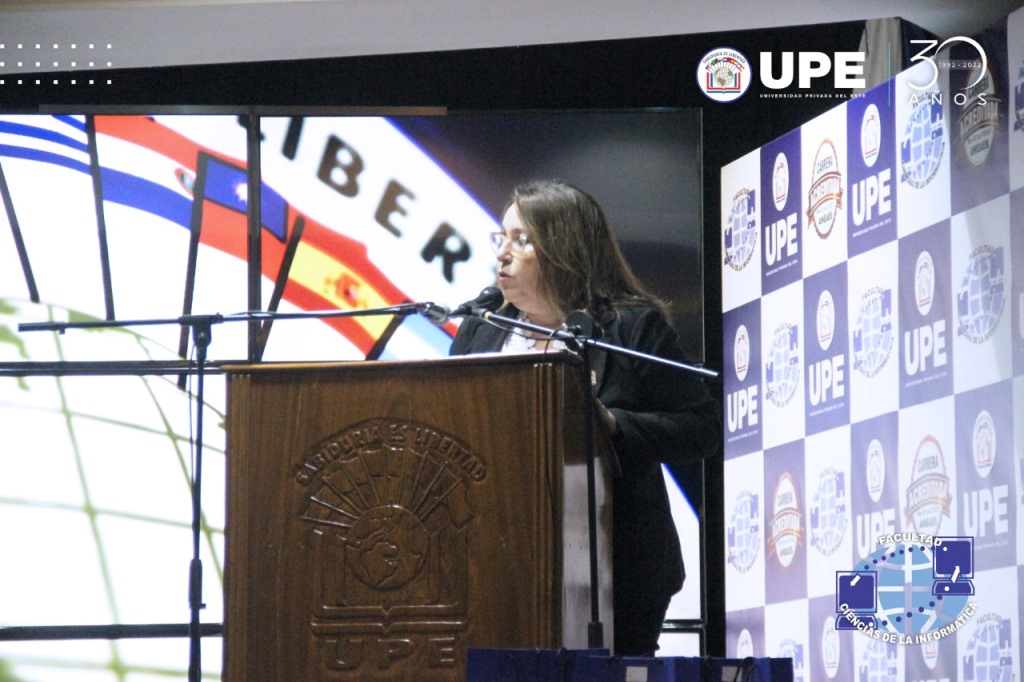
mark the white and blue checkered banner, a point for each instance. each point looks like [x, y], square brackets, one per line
[873, 298]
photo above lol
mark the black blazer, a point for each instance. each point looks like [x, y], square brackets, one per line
[663, 414]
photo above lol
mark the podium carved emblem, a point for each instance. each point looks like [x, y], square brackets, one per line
[388, 505]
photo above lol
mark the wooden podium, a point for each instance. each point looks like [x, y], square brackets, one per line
[384, 517]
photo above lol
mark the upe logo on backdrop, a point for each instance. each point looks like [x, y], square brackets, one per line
[724, 74]
[847, 69]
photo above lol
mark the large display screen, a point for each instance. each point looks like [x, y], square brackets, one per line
[144, 217]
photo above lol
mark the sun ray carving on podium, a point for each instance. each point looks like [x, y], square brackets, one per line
[379, 492]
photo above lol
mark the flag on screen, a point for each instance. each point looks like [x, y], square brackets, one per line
[148, 166]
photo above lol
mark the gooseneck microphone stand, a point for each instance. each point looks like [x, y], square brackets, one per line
[578, 334]
[202, 333]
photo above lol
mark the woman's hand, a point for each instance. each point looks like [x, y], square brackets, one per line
[607, 418]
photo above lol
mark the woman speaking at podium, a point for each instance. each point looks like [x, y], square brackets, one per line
[556, 254]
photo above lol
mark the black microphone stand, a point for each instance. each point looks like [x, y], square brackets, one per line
[578, 335]
[202, 333]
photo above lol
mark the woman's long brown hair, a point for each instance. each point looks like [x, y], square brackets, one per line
[581, 265]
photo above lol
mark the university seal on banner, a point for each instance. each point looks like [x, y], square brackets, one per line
[724, 74]
[981, 298]
[741, 352]
[744, 532]
[983, 443]
[787, 522]
[870, 135]
[740, 233]
[924, 282]
[825, 197]
[978, 124]
[744, 644]
[825, 319]
[928, 498]
[830, 648]
[388, 506]
[989, 650]
[923, 142]
[780, 181]
[875, 463]
[828, 512]
[872, 333]
[782, 367]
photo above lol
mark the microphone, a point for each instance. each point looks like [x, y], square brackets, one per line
[582, 326]
[436, 313]
[487, 301]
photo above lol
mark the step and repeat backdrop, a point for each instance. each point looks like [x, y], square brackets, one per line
[873, 291]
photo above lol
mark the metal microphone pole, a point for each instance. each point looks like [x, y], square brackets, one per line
[595, 629]
[202, 334]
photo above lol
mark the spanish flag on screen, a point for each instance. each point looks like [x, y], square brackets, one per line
[314, 267]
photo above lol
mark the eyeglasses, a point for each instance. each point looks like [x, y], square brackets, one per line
[517, 244]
